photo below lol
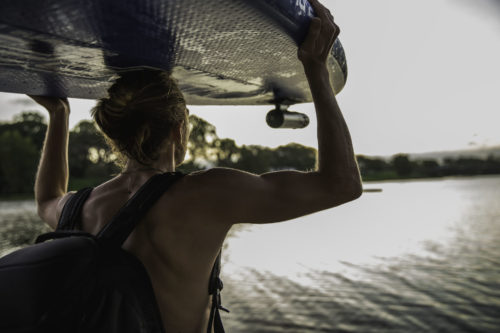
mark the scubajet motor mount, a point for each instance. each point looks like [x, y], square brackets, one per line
[280, 117]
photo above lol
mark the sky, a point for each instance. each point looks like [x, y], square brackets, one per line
[423, 76]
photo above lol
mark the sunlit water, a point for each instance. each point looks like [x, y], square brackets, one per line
[420, 256]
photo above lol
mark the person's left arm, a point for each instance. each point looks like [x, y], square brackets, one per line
[51, 182]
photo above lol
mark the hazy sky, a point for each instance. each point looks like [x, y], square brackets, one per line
[423, 76]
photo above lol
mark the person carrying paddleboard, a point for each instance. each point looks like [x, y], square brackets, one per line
[145, 120]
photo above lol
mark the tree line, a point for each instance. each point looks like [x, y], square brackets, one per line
[401, 166]
[92, 162]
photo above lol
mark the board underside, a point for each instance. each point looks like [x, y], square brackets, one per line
[224, 52]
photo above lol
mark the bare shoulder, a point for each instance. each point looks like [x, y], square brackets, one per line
[224, 176]
[227, 185]
[214, 194]
[62, 202]
[50, 211]
[215, 184]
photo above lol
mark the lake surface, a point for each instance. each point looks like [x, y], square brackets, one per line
[420, 256]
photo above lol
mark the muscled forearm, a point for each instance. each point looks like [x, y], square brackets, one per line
[52, 176]
[336, 159]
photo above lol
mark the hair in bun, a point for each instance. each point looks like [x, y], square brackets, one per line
[139, 113]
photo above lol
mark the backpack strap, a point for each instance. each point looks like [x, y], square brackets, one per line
[214, 288]
[123, 223]
[71, 213]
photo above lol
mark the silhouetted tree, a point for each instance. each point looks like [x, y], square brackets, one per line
[91, 161]
[201, 141]
[227, 152]
[18, 163]
[88, 151]
[371, 166]
[429, 168]
[402, 165]
[30, 125]
[294, 156]
[492, 165]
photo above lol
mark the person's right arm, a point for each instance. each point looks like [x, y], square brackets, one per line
[232, 196]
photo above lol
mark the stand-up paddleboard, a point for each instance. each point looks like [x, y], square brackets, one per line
[223, 52]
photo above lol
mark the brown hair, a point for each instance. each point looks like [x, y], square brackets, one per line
[139, 113]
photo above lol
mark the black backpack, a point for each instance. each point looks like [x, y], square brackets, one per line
[78, 282]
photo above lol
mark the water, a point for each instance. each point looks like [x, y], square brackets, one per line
[421, 256]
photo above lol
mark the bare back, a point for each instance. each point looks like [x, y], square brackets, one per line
[176, 244]
[178, 240]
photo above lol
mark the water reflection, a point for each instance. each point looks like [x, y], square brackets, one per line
[19, 225]
[387, 224]
[421, 256]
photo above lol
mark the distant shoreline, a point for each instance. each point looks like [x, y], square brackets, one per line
[30, 196]
[389, 180]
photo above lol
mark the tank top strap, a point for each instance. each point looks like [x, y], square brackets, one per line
[70, 218]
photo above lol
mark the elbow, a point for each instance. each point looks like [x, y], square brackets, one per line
[353, 189]
[41, 210]
[345, 190]
[46, 207]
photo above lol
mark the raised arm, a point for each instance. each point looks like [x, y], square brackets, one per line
[336, 159]
[52, 177]
[233, 196]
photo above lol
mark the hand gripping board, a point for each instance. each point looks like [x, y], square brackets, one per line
[223, 52]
